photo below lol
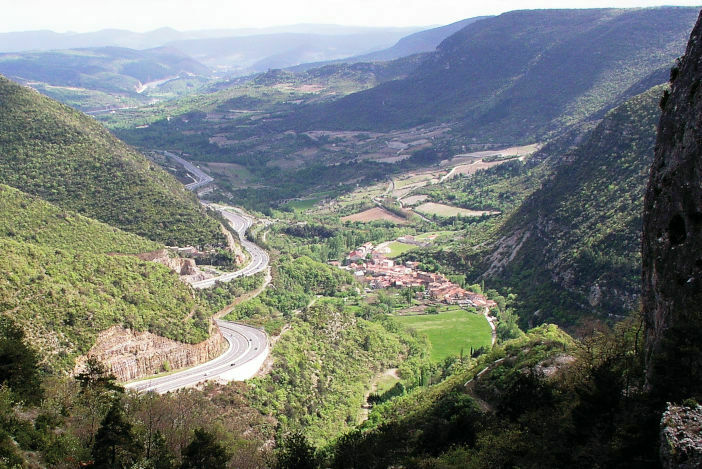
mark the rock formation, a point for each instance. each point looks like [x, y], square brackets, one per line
[681, 445]
[185, 268]
[672, 237]
[130, 355]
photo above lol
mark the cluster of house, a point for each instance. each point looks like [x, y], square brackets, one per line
[378, 271]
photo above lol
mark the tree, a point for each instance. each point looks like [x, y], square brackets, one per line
[161, 457]
[408, 295]
[98, 393]
[115, 445]
[204, 452]
[18, 363]
[296, 453]
[96, 376]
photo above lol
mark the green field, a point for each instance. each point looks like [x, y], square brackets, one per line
[304, 204]
[426, 236]
[450, 331]
[385, 383]
[397, 248]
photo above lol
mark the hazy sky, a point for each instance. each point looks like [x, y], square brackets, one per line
[144, 15]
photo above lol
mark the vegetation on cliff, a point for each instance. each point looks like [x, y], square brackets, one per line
[66, 278]
[583, 227]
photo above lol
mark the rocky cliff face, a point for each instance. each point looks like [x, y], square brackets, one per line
[681, 444]
[131, 355]
[186, 269]
[672, 237]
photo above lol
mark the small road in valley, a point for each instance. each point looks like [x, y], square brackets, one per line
[248, 348]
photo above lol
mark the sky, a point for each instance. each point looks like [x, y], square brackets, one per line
[184, 15]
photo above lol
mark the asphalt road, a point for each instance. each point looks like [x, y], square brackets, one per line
[201, 178]
[248, 347]
[259, 258]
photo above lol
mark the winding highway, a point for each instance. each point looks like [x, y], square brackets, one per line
[237, 220]
[259, 258]
[201, 178]
[248, 348]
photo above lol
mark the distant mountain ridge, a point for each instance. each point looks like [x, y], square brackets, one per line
[520, 76]
[38, 40]
[417, 43]
[108, 69]
[245, 50]
[249, 54]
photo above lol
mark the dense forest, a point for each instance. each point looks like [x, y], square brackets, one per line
[66, 158]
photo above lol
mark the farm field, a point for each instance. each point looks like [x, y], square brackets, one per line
[414, 199]
[304, 204]
[468, 169]
[451, 330]
[397, 248]
[236, 174]
[520, 151]
[432, 235]
[442, 210]
[375, 213]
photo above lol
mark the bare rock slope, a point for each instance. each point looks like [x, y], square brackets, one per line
[672, 236]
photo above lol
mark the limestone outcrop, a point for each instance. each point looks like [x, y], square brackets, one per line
[130, 354]
[681, 437]
[185, 268]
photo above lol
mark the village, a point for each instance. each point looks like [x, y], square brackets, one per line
[372, 267]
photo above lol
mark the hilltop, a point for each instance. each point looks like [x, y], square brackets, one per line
[65, 157]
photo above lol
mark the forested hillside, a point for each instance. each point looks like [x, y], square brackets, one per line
[520, 76]
[65, 157]
[33, 220]
[573, 246]
[65, 279]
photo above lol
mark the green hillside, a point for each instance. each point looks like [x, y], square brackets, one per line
[581, 229]
[62, 285]
[519, 76]
[64, 299]
[65, 157]
[30, 219]
[541, 401]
